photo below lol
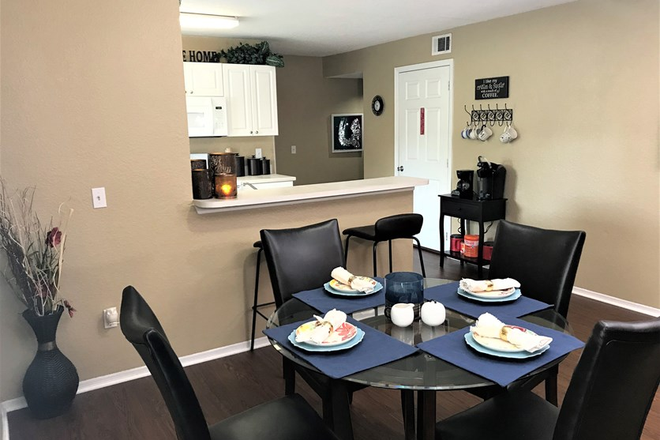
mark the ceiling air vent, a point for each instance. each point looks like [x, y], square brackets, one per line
[441, 44]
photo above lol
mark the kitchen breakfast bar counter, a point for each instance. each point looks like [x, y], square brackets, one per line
[262, 198]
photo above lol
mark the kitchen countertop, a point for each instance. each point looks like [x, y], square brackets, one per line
[262, 198]
[266, 178]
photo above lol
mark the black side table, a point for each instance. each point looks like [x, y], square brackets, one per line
[479, 211]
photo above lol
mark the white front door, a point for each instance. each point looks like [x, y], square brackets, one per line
[423, 138]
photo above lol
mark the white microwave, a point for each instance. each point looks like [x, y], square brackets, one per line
[207, 116]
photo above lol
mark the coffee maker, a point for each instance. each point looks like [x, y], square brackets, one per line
[464, 188]
[490, 180]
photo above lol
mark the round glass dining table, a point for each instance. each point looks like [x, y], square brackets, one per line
[419, 372]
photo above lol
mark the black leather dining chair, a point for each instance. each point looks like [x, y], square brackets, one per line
[608, 398]
[388, 229]
[545, 263]
[287, 418]
[301, 259]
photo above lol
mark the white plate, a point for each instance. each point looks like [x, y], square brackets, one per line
[498, 344]
[509, 355]
[468, 295]
[493, 293]
[330, 289]
[342, 335]
[318, 348]
[340, 287]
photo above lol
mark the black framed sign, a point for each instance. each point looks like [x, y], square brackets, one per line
[491, 88]
[346, 133]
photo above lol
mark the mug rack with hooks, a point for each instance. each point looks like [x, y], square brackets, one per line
[499, 116]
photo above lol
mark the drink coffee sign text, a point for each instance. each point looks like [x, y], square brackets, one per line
[491, 88]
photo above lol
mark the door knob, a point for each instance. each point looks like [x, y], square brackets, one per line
[399, 168]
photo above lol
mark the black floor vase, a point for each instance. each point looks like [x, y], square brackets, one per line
[51, 380]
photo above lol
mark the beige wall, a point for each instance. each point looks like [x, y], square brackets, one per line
[77, 111]
[305, 102]
[584, 86]
[244, 146]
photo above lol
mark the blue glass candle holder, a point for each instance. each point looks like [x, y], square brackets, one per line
[403, 287]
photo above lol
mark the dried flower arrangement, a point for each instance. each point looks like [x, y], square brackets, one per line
[34, 253]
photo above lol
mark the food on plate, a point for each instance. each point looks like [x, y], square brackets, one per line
[314, 331]
[327, 329]
[523, 338]
[345, 278]
[488, 326]
[478, 286]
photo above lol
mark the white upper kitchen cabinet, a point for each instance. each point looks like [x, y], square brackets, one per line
[251, 100]
[203, 79]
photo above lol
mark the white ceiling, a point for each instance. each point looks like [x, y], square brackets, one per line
[328, 27]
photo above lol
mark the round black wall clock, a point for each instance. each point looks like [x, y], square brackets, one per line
[377, 105]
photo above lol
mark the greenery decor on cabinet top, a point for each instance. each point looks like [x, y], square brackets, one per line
[252, 54]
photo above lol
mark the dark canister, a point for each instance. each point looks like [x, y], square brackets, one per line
[222, 163]
[265, 166]
[197, 164]
[240, 166]
[455, 241]
[201, 184]
[403, 287]
[255, 166]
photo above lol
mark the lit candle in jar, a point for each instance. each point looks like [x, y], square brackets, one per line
[225, 186]
[226, 189]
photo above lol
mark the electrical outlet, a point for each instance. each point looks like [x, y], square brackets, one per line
[293, 149]
[98, 198]
[257, 153]
[110, 317]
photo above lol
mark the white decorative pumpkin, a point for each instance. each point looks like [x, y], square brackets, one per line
[433, 313]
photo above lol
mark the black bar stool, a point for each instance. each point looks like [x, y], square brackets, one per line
[388, 229]
[255, 306]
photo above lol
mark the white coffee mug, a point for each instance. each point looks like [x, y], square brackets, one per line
[474, 133]
[485, 133]
[433, 313]
[509, 134]
[505, 138]
[402, 314]
[512, 132]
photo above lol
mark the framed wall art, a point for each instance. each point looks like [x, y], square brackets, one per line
[347, 133]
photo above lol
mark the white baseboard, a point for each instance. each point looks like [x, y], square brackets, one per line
[618, 302]
[135, 373]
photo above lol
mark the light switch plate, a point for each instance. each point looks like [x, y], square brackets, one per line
[98, 198]
[293, 149]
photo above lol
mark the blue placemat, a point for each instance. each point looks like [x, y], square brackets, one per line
[376, 349]
[446, 294]
[453, 349]
[323, 301]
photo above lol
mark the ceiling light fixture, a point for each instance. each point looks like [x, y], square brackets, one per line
[190, 20]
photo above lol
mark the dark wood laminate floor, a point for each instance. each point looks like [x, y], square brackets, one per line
[135, 410]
